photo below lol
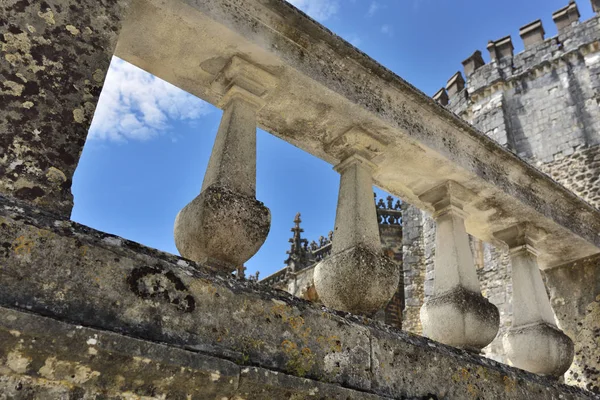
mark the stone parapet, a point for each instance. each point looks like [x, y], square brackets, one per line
[582, 38]
[106, 302]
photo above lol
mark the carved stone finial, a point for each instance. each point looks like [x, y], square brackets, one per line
[298, 254]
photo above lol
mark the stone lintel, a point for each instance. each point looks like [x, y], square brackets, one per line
[441, 96]
[455, 84]
[501, 48]
[357, 141]
[245, 79]
[521, 237]
[473, 63]
[567, 16]
[532, 33]
[449, 196]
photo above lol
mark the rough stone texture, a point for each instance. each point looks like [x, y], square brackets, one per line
[575, 296]
[301, 283]
[539, 348]
[460, 318]
[94, 335]
[222, 228]
[357, 279]
[413, 267]
[542, 104]
[44, 358]
[53, 59]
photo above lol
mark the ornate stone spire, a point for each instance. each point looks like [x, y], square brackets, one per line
[298, 254]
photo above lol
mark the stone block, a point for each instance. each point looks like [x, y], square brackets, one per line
[532, 34]
[455, 84]
[566, 17]
[473, 63]
[44, 121]
[441, 96]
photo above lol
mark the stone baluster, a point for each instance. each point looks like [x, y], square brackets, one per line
[457, 314]
[225, 225]
[356, 277]
[534, 342]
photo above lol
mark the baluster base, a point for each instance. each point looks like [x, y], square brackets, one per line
[539, 348]
[460, 318]
[357, 280]
[222, 228]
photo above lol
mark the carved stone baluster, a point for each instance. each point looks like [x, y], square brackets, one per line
[457, 314]
[357, 277]
[534, 342]
[225, 225]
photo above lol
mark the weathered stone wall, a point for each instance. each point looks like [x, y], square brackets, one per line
[543, 105]
[53, 59]
[131, 322]
[575, 293]
[413, 252]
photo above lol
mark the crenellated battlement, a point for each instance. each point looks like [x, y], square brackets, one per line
[574, 39]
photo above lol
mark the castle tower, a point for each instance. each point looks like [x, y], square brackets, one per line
[541, 104]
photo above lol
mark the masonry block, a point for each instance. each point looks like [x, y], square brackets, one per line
[53, 60]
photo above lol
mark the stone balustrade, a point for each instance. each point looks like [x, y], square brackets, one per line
[266, 64]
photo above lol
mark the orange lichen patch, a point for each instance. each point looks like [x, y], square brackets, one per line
[22, 245]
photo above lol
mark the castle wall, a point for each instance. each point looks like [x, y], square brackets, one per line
[575, 293]
[543, 104]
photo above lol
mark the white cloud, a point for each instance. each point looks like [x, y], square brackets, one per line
[135, 105]
[373, 8]
[318, 9]
[387, 30]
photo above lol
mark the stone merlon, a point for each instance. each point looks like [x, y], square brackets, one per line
[501, 48]
[441, 96]
[532, 33]
[473, 63]
[455, 84]
[566, 17]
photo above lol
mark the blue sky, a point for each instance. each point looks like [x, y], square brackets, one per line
[149, 143]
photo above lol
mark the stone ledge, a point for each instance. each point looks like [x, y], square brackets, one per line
[50, 359]
[60, 269]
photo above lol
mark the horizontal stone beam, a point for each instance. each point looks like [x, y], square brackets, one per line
[54, 359]
[84, 309]
[327, 87]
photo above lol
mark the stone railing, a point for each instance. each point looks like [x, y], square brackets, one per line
[266, 64]
[388, 212]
